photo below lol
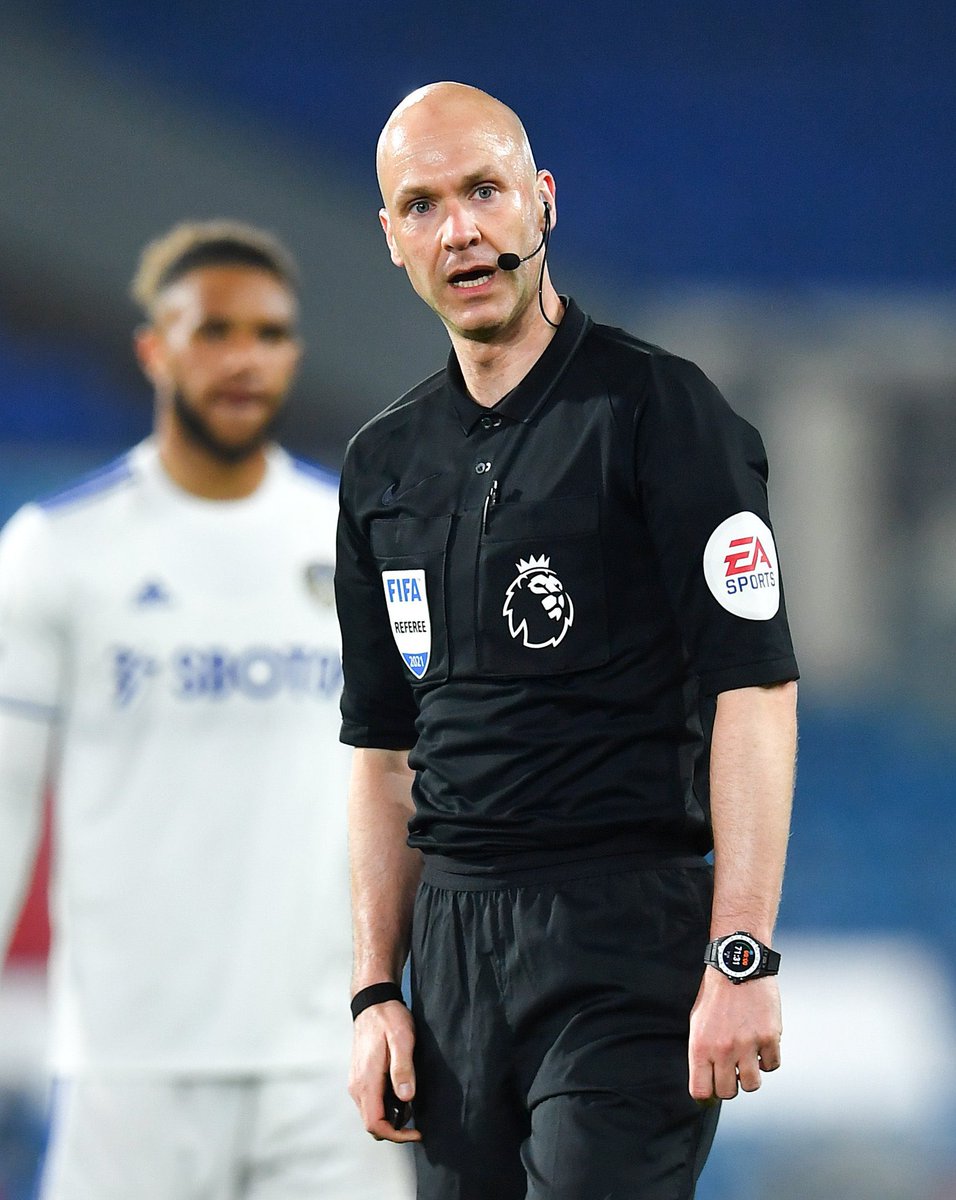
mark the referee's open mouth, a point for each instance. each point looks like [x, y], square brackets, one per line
[465, 280]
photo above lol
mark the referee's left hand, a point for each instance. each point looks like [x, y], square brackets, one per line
[735, 1032]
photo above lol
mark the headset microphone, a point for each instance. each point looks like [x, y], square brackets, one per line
[511, 262]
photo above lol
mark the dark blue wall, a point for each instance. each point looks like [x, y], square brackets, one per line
[754, 142]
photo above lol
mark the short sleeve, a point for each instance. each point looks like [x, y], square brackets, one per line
[378, 708]
[702, 476]
[31, 634]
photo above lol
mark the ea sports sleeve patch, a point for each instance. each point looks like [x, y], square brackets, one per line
[741, 569]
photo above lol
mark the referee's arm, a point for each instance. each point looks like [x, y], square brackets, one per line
[735, 1028]
[384, 874]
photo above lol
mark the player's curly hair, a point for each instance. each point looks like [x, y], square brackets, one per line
[219, 243]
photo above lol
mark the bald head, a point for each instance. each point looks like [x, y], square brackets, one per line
[460, 188]
[441, 114]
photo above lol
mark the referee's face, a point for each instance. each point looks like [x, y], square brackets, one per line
[222, 353]
[460, 188]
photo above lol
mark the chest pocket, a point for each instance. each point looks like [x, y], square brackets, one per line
[542, 607]
[410, 555]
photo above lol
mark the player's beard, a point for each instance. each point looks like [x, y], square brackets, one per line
[198, 431]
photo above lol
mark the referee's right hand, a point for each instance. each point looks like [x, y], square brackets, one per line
[382, 1044]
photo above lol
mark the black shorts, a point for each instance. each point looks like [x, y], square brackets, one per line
[552, 1011]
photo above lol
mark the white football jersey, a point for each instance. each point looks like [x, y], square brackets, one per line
[185, 653]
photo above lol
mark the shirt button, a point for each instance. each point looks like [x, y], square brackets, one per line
[490, 422]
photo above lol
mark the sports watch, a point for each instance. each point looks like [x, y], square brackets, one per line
[740, 957]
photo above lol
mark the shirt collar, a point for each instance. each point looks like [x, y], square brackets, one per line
[523, 401]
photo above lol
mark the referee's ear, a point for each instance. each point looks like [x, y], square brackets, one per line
[547, 194]
[393, 249]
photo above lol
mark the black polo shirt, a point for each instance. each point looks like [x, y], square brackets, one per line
[543, 598]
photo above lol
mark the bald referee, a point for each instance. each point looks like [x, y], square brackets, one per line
[170, 665]
[568, 676]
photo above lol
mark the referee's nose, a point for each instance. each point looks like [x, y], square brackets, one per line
[459, 230]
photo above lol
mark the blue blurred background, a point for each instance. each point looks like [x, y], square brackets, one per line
[766, 188]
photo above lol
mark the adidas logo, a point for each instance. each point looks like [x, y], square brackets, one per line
[152, 593]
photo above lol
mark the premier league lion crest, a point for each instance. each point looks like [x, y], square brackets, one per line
[536, 604]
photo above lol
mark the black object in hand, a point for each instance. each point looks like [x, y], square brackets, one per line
[397, 1111]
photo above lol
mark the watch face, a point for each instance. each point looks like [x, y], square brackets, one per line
[739, 956]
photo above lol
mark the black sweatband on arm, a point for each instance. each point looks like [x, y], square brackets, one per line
[375, 993]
